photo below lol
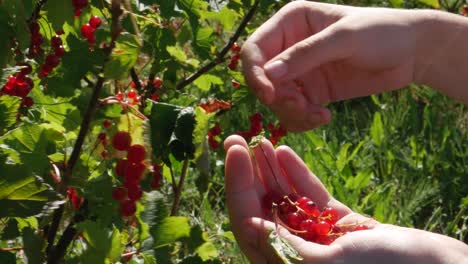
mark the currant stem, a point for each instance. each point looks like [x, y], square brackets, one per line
[271, 168]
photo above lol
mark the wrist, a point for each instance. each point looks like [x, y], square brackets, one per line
[440, 61]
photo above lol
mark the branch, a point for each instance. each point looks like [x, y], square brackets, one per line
[37, 10]
[178, 194]
[135, 80]
[221, 56]
[77, 148]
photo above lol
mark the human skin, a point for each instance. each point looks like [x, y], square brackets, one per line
[309, 54]
[251, 174]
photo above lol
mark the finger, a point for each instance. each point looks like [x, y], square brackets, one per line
[234, 140]
[311, 252]
[354, 219]
[269, 169]
[305, 182]
[241, 195]
[331, 44]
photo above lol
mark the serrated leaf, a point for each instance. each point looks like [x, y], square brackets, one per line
[177, 53]
[21, 194]
[59, 11]
[206, 81]
[162, 121]
[9, 106]
[124, 56]
[242, 96]
[283, 249]
[170, 230]
[116, 247]
[207, 251]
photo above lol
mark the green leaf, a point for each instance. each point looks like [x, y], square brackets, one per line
[283, 249]
[226, 17]
[177, 53]
[124, 56]
[432, 3]
[377, 130]
[59, 11]
[207, 251]
[9, 106]
[170, 230]
[7, 257]
[21, 194]
[396, 3]
[342, 157]
[116, 247]
[206, 81]
[181, 142]
[360, 181]
[34, 246]
[162, 120]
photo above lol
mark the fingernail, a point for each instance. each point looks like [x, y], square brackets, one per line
[276, 69]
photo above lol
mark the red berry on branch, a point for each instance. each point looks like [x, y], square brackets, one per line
[28, 102]
[106, 123]
[121, 168]
[102, 136]
[56, 41]
[322, 228]
[136, 153]
[135, 172]
[127, 208]
[59, 51]
[157, 82]
[95, 21]
[235, 48]
[121, 141]
[235, 84]
[87, 31]
[329, 215]
[119, 194]
[131, 94]
[27, 69]
[155, 97]
[134, 193]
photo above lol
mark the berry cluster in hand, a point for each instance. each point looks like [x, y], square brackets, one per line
[74, 198]
[37, 39]
[256, 127]
[78, 5]
[234, 60]
[88, 30]
[212, 133]
[53, 59]
[302, 217]
[276, 133]
[20, 85]
[131, 169]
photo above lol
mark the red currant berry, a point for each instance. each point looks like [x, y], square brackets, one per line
[59, 51]
[127, 208]
[310, 208]
[155, 97]
[235, 84]
[135, 172]
[95, 22]
[119, 194]
[294, 220]
[235, 48]
[28, 102]
[120, 96]
[136, 153]
[27, 69]
[134, 193]
[102, 136]
[55, 41]
[330, 215]
[87, 31]
[131, 94]
[52, 60]
[157, 82]
[322, 228]
[121, 141]
[106, 123]
[121, 168]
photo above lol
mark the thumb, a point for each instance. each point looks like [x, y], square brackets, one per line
[310, 252]
[330, 44]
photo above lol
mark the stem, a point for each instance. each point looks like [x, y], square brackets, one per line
[175, 205]
[67, 238]
[271, 168]
[173, 181]
[221, 56]
[135, 80]
[51, 251]
[37, 10]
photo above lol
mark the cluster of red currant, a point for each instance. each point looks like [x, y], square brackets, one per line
[212, 133]
[37, 39]
[235, 49]
[131, 170]
[78, 5]
[276, 133]
[88, 29]
[53, 59]
[131, 97]
[20, 85]
[74, 198]
[256, 127]
[157, 84]
[301, 216]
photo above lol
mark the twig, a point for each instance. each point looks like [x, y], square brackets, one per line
[51, 251]
[37, 10]
[173, 181]
[135, 80]
[221, 56]
[178, 194]
[11, 249]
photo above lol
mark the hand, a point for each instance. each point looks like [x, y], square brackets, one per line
[249, 178]
[309, 54]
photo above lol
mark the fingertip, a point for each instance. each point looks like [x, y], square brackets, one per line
[234, 140]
